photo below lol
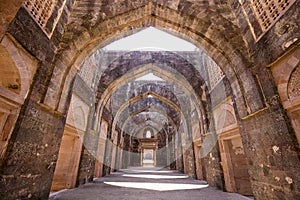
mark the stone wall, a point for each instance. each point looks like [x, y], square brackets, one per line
[32, 153]
[272, 170]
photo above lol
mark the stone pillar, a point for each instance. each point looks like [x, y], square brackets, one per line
[167, 151]
[171, 149]
[189, 147]
[107, 157]
[178, 148]
[30, 159]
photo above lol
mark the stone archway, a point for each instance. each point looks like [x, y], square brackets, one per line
[49, 100]
[89, 43]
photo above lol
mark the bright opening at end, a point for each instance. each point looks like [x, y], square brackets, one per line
[151, 39]
[149, 77]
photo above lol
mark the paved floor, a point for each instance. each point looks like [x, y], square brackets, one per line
[142, 183]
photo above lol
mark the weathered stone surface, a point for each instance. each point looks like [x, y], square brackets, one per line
[277, 158]
[228, 31]
[8, 10]
[32, 153]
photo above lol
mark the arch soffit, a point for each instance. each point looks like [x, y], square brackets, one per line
[153, 103]
[133, 129]
[158, 89]
[162, 107]
[152, 110]
[153, 14]
[143, 96]
[183, 120]
[179, 81]
[152, 123]
[166, 61]
[156, 131]
[285, 83]
[143, 116]
[105, 32]
[159, 69]
[123, 107]
[140, 71]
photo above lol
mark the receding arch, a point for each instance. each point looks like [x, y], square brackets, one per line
[131, 101]
[156, 111]
[167, 61]
[142, 70]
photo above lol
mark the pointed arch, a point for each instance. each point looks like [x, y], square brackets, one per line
[226, 52]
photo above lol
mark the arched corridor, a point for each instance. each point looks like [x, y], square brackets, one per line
[92, 90]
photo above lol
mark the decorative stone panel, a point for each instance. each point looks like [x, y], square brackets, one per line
[294, 84]
[215, 73]
[224, 116]
[268, 12]
[40, 10]
[78, 113]
[229, 119]
[45, 13]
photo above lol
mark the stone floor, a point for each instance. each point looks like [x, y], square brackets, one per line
[141, 183]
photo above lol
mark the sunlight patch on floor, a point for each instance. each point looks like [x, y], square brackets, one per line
[157, 186]
[145, 171]
[153, 176]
